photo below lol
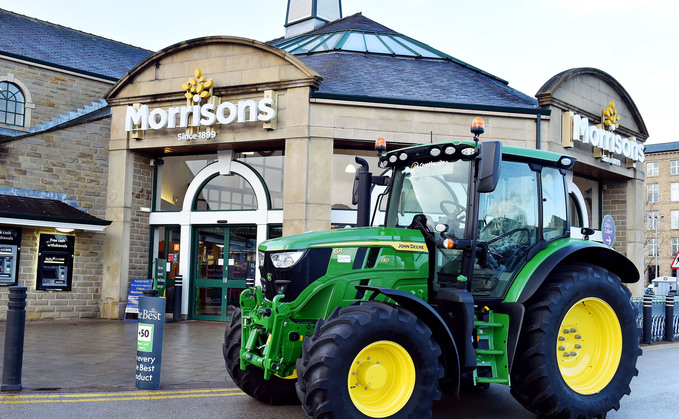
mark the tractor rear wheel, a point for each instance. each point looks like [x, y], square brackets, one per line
[579, 344]
[370, 360]
[276, 390]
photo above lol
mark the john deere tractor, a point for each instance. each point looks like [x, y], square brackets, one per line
[472, 280]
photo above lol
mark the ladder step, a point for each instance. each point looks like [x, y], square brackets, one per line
[489, 352]
[491, 380]
[487, 324]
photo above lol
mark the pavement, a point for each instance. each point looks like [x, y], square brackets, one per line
[100, 355]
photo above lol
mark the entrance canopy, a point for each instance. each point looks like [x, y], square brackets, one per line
[50, 213]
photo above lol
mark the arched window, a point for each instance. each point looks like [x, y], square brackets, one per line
[12, 104]
[226, 192]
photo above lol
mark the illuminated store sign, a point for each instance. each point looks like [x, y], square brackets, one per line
[141, 117]
[578, 128]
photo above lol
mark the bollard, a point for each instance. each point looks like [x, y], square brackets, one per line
[669, 316]
[150, 339]
[647, 336]
[177, 311]
[14, 339]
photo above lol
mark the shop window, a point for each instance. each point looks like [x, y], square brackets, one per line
[652, 220]
[674, 167]
[591, 193]
[652, 247]
[12, 104]
[674, 219]
[675, 245]
[652, 192]
[674, 191]
[226, 192]
[343, 172]
[176, 173]
[270, 166]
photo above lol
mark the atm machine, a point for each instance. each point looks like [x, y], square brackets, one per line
[55, 262]
[10, 247]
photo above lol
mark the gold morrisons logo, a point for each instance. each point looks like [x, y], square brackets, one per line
[197, 88]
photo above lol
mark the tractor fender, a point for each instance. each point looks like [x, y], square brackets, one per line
[441, 332]
[582, 251]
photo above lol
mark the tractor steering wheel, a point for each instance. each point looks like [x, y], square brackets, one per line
[459, 216]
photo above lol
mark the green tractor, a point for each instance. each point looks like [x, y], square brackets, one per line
[472, 280]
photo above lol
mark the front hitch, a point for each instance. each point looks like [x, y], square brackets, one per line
[271, 340]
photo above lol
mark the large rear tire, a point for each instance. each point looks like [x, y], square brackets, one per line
[372, 360]
[276, 391]
[579, 345]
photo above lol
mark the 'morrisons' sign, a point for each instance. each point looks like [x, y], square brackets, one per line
[143, 118]
[578, 128]
[198, 89]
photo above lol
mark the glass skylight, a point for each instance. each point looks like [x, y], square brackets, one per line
[360, 41]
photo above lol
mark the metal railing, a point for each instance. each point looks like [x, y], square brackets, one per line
[658, 308]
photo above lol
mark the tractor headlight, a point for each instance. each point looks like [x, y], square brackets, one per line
[286, 259]
[260, 258]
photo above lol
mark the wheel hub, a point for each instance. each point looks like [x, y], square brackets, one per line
[589, 346]
[381, 379]
[371, 375]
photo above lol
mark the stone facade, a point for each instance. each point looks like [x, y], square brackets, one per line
[586, 92]
[70, 161]
[667, 232]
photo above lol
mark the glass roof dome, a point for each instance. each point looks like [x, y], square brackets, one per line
[360, 41]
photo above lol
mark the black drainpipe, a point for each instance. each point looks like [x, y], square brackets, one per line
[538, 122]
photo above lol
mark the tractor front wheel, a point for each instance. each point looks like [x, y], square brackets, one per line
[578, 346]
[370, 360]
[276, 390]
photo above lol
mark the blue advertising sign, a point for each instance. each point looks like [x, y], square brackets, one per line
[150, 340]
[136, 288]
[608, 230]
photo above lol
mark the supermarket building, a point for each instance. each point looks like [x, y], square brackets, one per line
[219, 143]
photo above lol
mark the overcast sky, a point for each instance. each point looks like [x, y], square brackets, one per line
[522, 41]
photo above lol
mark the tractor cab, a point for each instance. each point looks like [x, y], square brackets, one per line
[484, 209]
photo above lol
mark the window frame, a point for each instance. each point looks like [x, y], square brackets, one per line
[653, 194]
[14, 98]
[674, 167]
[652, 168]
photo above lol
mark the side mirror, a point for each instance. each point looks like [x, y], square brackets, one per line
[489, 166]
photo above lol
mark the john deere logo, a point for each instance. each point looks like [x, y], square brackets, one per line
[197, 88]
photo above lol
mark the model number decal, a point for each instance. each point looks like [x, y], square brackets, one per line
[344, 258]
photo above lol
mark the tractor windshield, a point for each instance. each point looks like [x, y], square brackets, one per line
[436, 189]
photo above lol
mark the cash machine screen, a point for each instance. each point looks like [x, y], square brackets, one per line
[8, 256]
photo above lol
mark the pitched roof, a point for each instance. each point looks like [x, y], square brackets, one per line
[411, 79]
[356, 22]
[421, 75]
[47, 43]
[661, 148]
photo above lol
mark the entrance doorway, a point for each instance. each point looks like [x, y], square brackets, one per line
[224, 261]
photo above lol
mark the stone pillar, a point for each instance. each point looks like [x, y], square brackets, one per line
[308, 185]
[116, 252]
[635, 230]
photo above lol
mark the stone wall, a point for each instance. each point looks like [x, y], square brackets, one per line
[71, 161]
[615, 204]
[142, 194]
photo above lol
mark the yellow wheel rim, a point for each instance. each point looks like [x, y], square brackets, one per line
[589, 346]
[292, 376]
[381, 379]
